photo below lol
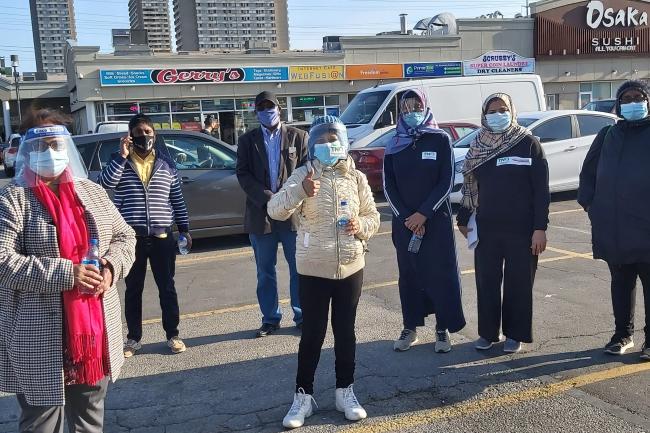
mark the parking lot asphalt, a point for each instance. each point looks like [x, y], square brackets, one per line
[228, 381]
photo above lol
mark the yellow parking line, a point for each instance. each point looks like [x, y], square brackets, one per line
[249, 253]
[411, 420]
[567, 255]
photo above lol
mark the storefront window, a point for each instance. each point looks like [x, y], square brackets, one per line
[246, 104]
[100, 114]
[184, 106]
[306, 114]
[332, 100]
[122, 108]
[154, 107]
[161, 121]
[218, 104]
[187, 121]
[307, 101]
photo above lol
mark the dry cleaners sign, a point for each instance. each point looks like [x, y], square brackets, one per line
[499, 62]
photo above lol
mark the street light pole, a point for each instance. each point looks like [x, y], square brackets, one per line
[14, 65]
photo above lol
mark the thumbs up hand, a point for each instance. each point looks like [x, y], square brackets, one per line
[310, 185]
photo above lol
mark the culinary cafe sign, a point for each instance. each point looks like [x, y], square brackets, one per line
[499, 62]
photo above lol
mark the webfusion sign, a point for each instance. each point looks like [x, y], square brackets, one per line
[499, 62]
[433, 70]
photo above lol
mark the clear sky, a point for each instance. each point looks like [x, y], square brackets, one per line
[309, 20]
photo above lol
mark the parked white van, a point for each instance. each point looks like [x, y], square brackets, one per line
[456, 99]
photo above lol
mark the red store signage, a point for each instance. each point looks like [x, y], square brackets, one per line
[212, 75]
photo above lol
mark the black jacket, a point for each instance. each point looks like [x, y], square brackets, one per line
[615, 188]
[513, 191]
[253, 174]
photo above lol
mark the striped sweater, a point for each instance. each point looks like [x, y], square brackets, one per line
[150, 210]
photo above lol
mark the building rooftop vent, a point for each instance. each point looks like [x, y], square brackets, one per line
[443, 24]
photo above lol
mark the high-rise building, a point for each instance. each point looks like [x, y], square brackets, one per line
[52, 24]
[152, 16]
[228, 24]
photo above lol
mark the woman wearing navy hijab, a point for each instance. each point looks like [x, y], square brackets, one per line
[418, 177]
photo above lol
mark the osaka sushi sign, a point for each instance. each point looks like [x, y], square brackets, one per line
[499, 62]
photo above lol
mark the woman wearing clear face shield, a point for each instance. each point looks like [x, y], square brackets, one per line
[148, 195]
[336, 215]
[418, 177]
[60, 317]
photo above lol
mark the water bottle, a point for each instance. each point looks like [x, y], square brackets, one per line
[344, 215]
[182, 245]
[414, 243]
[91, 258]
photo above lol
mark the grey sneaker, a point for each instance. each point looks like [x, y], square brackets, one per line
[131, 347]
[443, 342]
[483, 344]
[512, 346]
[645, 352]
[406, 339]
[176, 345]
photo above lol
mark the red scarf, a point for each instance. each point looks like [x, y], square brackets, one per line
[85, 340]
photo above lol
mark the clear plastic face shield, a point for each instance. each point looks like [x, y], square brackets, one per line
[328, 143]
[47, 153]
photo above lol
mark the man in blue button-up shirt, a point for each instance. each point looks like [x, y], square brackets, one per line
[266, 157]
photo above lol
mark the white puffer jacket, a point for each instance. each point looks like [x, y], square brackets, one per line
[322, 249]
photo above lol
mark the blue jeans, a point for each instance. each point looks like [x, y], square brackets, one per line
[265, 248]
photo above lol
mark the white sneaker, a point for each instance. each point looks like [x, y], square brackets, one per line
[347, 402]
[443, 342]
[300, 409]
[406, 339]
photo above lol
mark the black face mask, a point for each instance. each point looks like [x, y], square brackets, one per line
[144, 142]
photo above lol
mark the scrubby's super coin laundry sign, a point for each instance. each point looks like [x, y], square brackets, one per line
[499, 62]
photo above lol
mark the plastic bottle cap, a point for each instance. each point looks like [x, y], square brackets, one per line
[94, 242]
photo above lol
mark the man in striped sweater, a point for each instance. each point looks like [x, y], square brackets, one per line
[149, 197]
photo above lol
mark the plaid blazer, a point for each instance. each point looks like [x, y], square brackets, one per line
[32, 278]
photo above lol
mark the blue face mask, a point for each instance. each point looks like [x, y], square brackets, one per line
[499, 122]
[269, 118]
[634, 111]
[329, 153]
[414, 119]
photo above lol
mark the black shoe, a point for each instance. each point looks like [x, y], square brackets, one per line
[645, 351]
[266, 329]
[619, 345]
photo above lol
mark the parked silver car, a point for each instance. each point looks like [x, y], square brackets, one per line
[206, 169]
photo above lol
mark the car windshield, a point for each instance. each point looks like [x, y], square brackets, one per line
[464, 142]
[363, 107]
[525, 121]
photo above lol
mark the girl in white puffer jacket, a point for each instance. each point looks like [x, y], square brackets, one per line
[336, 211]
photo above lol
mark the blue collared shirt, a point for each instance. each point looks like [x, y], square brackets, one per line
[272, 142]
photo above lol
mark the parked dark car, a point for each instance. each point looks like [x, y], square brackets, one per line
[206, 168]
[603, 105]
[370, 159]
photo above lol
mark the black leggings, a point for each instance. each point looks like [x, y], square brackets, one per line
[315, 296]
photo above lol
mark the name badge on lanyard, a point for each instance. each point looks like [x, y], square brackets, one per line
[514, 160]
[430, 155]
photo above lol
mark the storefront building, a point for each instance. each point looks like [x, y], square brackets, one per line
[586, 49]
[583, 50]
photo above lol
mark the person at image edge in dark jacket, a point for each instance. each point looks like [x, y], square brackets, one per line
[614, 190]
[506, 186]
[149, 197]
[418, 177]
[266, 158]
